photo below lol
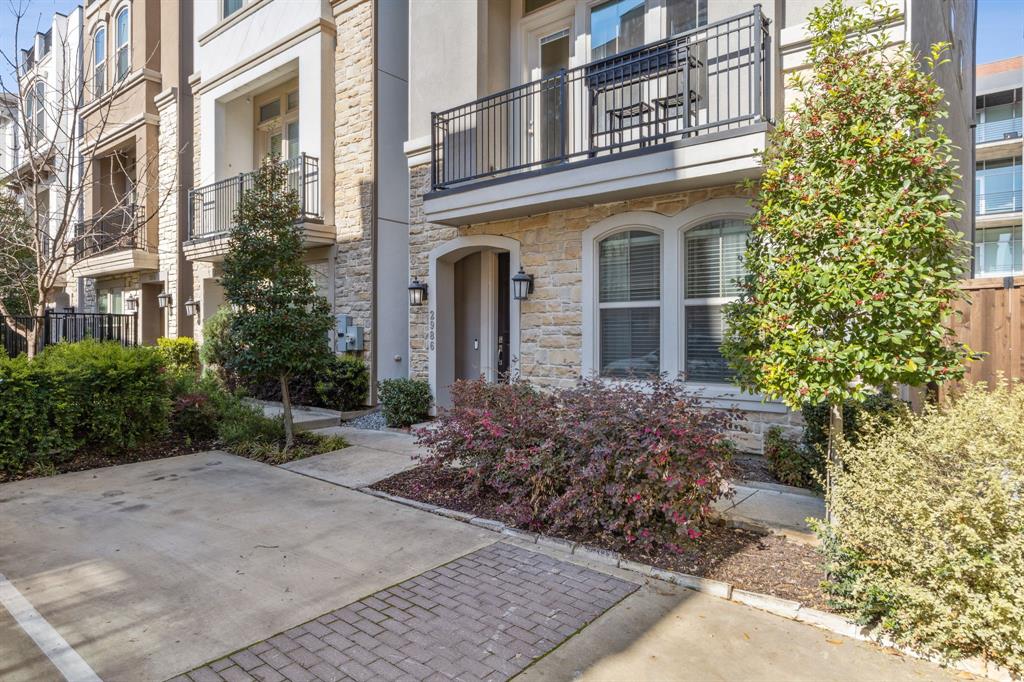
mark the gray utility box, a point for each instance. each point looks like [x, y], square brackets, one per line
[349, 336]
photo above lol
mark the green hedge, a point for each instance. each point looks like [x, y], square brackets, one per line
[180, 355]
[80, 395]
[405, 402]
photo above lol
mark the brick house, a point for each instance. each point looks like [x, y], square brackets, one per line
[598, 148]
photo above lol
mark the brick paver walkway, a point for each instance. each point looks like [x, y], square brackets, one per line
[484, 616]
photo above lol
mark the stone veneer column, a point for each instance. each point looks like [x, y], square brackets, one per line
[354, 190]
[423, 237]
[168, 242]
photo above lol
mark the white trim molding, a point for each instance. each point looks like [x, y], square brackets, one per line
[672, 230]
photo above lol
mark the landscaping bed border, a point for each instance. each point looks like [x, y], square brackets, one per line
[778, 606]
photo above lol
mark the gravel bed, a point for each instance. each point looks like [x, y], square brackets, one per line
[373, 421]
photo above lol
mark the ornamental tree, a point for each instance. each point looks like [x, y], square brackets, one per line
[853, 262]
[280, 324]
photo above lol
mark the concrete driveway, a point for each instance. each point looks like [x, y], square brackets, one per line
[214, 567]
[151, 569]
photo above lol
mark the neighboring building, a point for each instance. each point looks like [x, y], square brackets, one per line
[321, 85]
[598, 147]
[998, 179]
[137, 163]
[40, 154]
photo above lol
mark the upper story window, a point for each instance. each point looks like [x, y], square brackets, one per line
[122, 35]
[629, 303]
[618, 25]
[685, 15]
[997, 186]
[99, 73]
[277, 123]
[714, 268]
[615, 26]
[229, 7]
[35, 111]
[999, 116]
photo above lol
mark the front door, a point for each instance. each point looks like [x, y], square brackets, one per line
[503, 334]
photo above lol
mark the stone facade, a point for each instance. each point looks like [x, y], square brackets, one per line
[551, 320]
[168, 243]
[354, 191]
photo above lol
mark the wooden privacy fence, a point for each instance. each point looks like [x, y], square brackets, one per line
[992, 323]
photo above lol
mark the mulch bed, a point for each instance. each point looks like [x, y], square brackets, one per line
[171, 446]
[750, 561]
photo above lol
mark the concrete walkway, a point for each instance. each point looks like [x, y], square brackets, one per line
[304, 418]
[371, 457]
[234, 570]
[781, 509]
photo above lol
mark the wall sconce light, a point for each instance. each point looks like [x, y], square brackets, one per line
[131, 303]
[417, 293]
[163, 300]
[522, 285]
[191, 308]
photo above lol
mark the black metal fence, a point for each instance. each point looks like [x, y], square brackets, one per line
[212, 207]
[714, 78]
[55, 327]
[116, 229]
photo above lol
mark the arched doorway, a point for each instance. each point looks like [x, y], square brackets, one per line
[473, 323]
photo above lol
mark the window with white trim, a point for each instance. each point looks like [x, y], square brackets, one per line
[713, 267]
[629, 302]
[229, 7]
[99, 61]
[121, 32]
[35, 112]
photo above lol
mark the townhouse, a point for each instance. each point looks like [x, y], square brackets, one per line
[998, 179]
[575, 169]
[321, 85]
[136, 56]
[39, 155]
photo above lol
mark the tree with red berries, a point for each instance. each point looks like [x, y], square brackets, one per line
[853, 259]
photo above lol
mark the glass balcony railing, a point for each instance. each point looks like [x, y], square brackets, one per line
[994, 131]
[988, 203]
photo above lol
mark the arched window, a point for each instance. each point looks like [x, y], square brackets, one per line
[713, 253]
[121, 33]
[99, 60]
[629, 304]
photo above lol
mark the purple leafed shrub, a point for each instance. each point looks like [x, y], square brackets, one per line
[629, 464]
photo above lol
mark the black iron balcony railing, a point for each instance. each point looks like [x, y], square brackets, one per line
[988, 203]
[114, 230]
[714, 78]
[212, 207]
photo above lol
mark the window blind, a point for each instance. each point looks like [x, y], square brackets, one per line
[714, 269]
[630, 316]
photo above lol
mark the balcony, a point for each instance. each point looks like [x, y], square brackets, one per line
[212, 210]
[995, 203]
[114, 242]
[998, 131]
[685, 112]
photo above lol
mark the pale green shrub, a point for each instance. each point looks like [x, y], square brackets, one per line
[928, 534]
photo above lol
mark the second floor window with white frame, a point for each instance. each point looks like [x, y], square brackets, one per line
[35, 112]
[229, 7]
[630, 304]
[99, 60]
[121, 32]
[713, 263]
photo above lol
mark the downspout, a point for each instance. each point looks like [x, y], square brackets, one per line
[375, 222]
